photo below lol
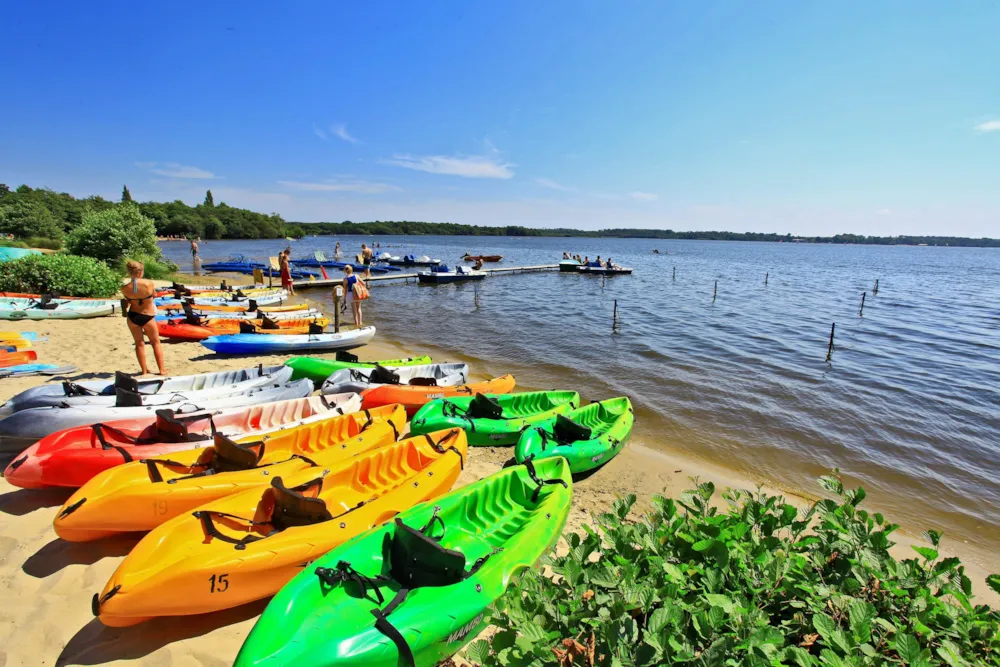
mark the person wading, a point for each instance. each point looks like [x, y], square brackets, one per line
[350, 280]
[139, 295]
[286, 271]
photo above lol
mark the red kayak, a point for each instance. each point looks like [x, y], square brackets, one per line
[8, 359]
[73, 456]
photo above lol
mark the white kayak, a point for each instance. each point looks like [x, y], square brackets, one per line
[288, 343]
[124, 388]
[22, 429]
[18, 308]
[274, 299]
[244, 315]
[360, 379]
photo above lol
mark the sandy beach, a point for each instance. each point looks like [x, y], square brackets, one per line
[47, 584]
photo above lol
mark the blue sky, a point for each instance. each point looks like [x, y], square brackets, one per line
[809, 118]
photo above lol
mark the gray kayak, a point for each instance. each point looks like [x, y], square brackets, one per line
[118, 390]
[22, 429]
[360, 379]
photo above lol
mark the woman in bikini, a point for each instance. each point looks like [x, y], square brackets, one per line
[142, 316]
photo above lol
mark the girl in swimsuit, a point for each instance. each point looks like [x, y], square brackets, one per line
[142, 316]
[349, 280]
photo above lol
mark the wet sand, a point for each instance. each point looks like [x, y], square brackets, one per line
[47, 584]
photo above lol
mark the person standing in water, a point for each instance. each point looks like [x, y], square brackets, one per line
[141, 314]
[366, 259]
[336, 250]
[349, 280]
[195, 259]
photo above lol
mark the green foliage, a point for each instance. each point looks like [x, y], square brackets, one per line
[172, 218]
[26, 218]
[42, 242]
[154, 268]
[294, 231]
[756, 583]
[65, 275]
[113, 234]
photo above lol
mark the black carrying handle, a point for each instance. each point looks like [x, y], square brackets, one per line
[529, 464]
[211, 530]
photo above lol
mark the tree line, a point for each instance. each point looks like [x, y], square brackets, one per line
[404, 228]
[41, 213]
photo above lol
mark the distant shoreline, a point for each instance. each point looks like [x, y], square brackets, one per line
[386, 228]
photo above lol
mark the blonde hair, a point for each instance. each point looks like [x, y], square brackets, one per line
[348, 270]
[134, 268]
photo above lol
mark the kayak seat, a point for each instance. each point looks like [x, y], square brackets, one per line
[416, 560]
[347, 357]
[268, 323]
[423, 382]
[485, 407]
[298, 506]
[125, 398]
[172, 428]
[568, 431]
[230, 455]
[382, 375]
[247, 327]
[315, 328]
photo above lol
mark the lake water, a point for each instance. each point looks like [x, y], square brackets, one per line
[909, 405]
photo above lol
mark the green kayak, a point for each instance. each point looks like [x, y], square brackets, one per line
[415, 590]
[491, 419]
[587, 437]
[318, 370]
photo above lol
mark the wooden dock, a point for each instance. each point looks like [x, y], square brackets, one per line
[392, 275]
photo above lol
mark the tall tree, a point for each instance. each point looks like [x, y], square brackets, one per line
[209, 201]
[126, 195]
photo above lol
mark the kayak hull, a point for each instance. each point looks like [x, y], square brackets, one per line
[499, 519]
[318, 370]
[413, 398]
[520, 412]
[170, 572]
[287, 344]
[610, 422]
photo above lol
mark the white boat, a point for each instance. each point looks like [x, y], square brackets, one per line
[443, 274]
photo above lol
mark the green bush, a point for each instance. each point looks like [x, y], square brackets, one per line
[757, 584]
[153, 268]
[24, 219]
[113, 234]
[43, 242]
[65, 275]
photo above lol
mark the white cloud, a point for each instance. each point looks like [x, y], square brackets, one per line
[884, 212]
[320, 133]
[549, 183]
[643, 196]
[362, 187]
[174, 170]
[465, 166]
[341, 131]
[989, 126]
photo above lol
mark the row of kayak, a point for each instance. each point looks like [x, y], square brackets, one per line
[317, 501]
[17, 359]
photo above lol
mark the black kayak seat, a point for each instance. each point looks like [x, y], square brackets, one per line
[230, 455]
[568, 431]
[268, 323]
[315, 328]
[247, 327]
[127, 399]
[298, 506]
[382, 375]
[423, 382]
[347, 357]
[416, 560]
[485, 407]
[171, 428]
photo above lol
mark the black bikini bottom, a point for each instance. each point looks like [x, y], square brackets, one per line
[139, 319]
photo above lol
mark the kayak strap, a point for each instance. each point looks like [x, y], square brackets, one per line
[211, 530]
[440, 448]
[369, 420]
[529, 464]
[153, 465]
[174, 428]
[74, 389]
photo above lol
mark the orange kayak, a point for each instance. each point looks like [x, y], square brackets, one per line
[414, 397]
[246, 546]
[218, 327]
[141, 495]
[8, 359]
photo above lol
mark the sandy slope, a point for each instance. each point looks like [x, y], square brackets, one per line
[46, 585]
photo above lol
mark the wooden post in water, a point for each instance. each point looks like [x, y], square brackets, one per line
[861, 310]
[875, 289]
[614, 317]
[715, 291]
[829, 349]
[675, 274]
[765, 278]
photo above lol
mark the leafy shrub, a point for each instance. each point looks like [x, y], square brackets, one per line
[43, 242]
[24, 219]
[757, 584]
[153, 268]
[65, 275]
[114, 234]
